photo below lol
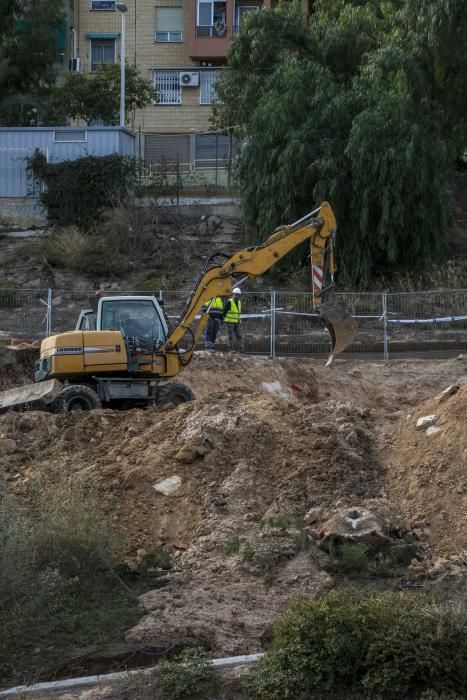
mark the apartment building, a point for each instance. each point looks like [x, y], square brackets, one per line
[180, 46]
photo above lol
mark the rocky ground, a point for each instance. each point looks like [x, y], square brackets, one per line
[237, 484]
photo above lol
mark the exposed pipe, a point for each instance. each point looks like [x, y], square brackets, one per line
[86, 681]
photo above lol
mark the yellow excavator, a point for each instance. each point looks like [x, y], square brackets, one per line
[122, 351]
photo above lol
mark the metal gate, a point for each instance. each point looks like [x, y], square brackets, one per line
[168, 150]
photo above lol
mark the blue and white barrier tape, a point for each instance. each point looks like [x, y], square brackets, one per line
[441, 319]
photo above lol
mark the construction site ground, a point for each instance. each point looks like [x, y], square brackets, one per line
[267, 448]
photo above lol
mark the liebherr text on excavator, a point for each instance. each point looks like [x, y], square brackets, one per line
[121, 352]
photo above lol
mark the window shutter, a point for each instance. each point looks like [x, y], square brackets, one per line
[169, 19]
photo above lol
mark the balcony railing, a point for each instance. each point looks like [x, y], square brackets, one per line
[215, 31]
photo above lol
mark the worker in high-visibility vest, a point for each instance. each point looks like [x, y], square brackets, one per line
[233, 320]
[215, 309]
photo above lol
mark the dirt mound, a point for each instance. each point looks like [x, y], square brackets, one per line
[16, 367]
[427, 473]
[226, 483]
[240, 459]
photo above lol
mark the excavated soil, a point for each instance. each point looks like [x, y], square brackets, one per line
[266, 446]
[427, 473]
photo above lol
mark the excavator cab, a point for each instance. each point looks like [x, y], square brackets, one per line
[136, 316]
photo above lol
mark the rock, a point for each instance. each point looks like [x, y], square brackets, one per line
[214, 222]
[313, 515]
[426, 421]
[462, 358]
[7, 446]
[455, 570]
[188, 455]
[439, 565]
[325, 580]
[168, 486]
[220, 502]
[140, 554]
[432, 430]
[379, 523]
[450, 391]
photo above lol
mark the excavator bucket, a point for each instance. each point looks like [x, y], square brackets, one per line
[42, 393]
[341, 326]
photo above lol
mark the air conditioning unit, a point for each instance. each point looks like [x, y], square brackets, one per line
[189, 79]
[75, 65]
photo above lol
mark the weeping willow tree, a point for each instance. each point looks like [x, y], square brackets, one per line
[353, 107]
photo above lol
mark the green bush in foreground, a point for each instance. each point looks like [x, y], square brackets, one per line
[387, 646]
[57, 589]
[190, 675]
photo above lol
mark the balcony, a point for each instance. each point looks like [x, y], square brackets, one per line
[212, 24]
[216, 31]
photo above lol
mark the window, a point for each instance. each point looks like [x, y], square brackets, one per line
[243, 10]
[208, 79]
[211, 18]
[167, 87]
[102, 51]
[169, 24]
[102, 4]
[86, 321]
[136, 317]
[76, 135]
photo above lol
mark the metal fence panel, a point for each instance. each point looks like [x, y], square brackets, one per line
[23, 313]
[432, 321]
[274, 323]
[299, 330]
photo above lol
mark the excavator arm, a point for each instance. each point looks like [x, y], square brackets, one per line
[319, 228]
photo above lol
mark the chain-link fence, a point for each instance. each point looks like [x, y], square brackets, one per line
[274, 323]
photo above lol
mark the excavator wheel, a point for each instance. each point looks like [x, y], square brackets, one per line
[173, 393]
[76, 397]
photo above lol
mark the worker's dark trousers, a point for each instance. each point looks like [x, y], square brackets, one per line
[212, 329]
[234, 332]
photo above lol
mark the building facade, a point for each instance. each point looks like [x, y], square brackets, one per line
[179, 45]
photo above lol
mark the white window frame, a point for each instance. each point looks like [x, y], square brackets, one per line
[94, 6]
[175, 37]
[78, 131]
[210, 2]
[170, 37]
[101, 64]
[168, 74]
[214, 75]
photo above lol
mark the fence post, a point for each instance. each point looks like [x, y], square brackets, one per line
[272, 350]
[385, 323]
[48, 319]
[178, 184]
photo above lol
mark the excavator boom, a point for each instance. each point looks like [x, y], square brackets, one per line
[319, 228]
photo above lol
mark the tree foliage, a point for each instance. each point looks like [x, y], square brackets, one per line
[363, 106]
[28, 57]
[97, 96]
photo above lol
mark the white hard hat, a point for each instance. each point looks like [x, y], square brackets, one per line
[237, 290]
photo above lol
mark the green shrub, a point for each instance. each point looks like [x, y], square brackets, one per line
[232, 546]
[350, 557]
[73, 249]
[152, 282]
[387, 646]
[191, 675]
[57, 587]
[79, 190]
